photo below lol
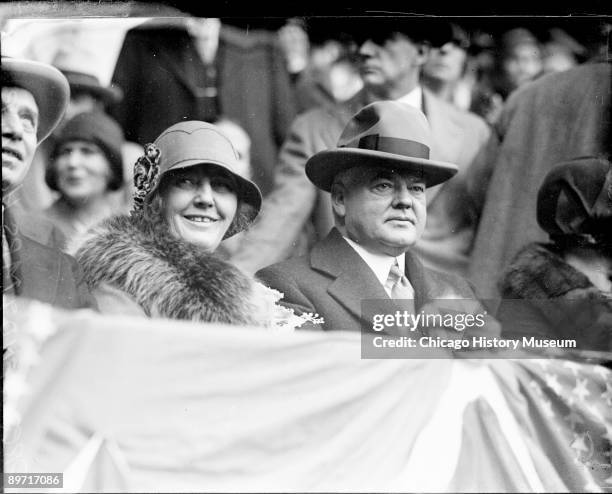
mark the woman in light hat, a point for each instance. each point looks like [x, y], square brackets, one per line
[159, 261]
[85, 168]
[565, 286]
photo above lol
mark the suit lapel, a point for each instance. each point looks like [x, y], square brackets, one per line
[354, 280]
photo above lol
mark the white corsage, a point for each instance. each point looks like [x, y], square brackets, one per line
[276, 316]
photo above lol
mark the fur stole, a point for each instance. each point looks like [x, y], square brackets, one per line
[166, 276]
[539, 272]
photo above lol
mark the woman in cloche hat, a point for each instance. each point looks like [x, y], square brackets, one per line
[565, 286]
[159, 261]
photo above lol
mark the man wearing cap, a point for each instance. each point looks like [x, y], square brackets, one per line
[296, 213]
[34, 97]
[377, 177]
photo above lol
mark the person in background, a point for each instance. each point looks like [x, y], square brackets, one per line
[321, 59]
[187, 68]
[296, 214]
[561, 52]
[565, 285]
[518, 60]
[34, 98]
[559, 115]
[87, 94]
[444, 73]
[85, 168]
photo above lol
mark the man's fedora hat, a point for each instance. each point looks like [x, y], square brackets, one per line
[384, 133]
[48, 86]
[75, 62]
[80, 82]
[192, 143]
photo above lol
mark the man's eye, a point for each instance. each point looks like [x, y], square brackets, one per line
[417, 188]
[29, 122]
[383, 186]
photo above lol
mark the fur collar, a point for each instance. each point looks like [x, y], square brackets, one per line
[166, 276]
[539, 272]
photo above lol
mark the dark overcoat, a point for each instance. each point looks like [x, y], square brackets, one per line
[556, 118]
[160, 73]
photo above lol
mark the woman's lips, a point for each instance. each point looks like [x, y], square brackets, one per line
[202, 219]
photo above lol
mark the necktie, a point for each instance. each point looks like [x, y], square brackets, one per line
[401, 288]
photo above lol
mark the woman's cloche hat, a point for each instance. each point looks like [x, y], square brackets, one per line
[575, 202]
[46, 84]
[384, 133]
[191, 143]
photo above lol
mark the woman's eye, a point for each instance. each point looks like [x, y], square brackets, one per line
[184, 182]
[222, 184]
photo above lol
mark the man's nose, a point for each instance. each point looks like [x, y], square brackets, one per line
[204, 194]
[12, 126]
[73, 158]
[367, 49]
[402, 197]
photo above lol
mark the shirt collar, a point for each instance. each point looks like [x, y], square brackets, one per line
[380, 264]
[414, 98]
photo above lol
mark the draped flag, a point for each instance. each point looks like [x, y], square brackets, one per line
[121, 404]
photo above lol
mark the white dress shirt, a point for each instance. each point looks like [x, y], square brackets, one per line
[414, 98]
[380, 264]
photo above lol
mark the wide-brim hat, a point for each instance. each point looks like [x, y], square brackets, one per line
[47, 85]
[88, 83]
[385, 133]
[574, 203]
[192, 143]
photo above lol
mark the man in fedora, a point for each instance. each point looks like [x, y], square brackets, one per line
[296, 213]
[34, 98]
[377, 177]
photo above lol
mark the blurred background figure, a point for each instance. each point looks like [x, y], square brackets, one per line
[561, 51]
[521, 60]
[87, 94]
[186, 68]
[322, 59]
[557, 117]
[85, 167]
[445, 72]
[574, 268]
[517, 61]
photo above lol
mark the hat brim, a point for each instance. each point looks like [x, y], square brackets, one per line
[109, 95]
[325, 165]
[48, 86]
[248, 192]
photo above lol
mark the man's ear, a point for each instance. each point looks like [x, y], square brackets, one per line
[338, 194]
